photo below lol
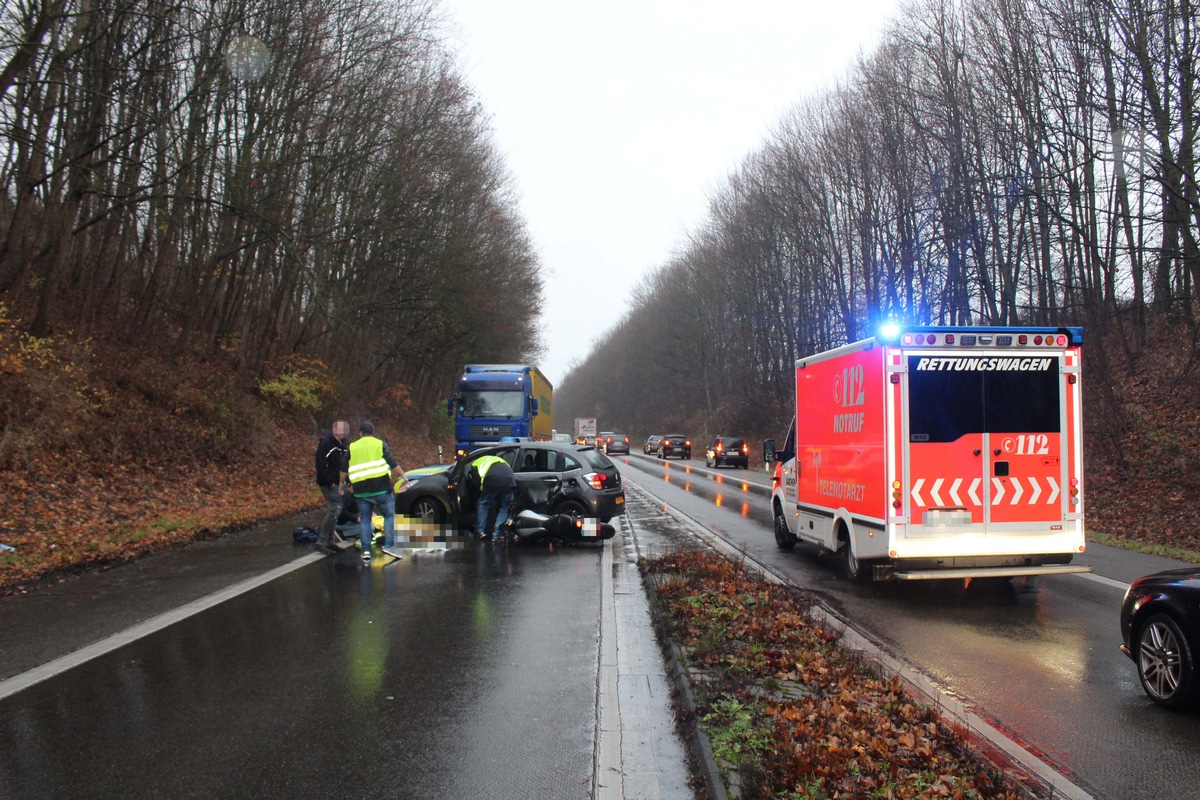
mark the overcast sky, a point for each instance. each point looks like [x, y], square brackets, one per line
[617, 120]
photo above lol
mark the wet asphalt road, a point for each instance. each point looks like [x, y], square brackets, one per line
[475, 673]
[467, 674]
[1038, 659]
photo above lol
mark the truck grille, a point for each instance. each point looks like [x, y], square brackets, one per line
[481, 431]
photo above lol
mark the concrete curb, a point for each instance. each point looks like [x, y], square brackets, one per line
[699, 747]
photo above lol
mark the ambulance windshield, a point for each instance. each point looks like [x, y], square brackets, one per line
[952, 397]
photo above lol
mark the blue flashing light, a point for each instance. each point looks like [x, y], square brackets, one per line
[889, 331]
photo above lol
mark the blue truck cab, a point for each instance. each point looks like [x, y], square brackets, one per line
[499, 401]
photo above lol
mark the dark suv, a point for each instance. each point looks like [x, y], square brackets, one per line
[732, 450]
[552, 478]
[674, 444]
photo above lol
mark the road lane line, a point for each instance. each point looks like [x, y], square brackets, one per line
[118, 640]
[1091, 576]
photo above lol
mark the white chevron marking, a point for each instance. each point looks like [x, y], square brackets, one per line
[916, 492]
[1053, 490]
[954, 491]
[935, 492]
[999, 495]
[973, 492]
[1018, 490]
[1037, 491]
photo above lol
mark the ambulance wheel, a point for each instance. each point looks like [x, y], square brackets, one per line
[852, 568]
[783, 537]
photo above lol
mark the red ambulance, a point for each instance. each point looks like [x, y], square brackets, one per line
[937, 452]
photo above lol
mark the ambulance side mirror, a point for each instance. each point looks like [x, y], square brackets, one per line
[769, 451]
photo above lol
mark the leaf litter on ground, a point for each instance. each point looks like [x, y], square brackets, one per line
[790, 712]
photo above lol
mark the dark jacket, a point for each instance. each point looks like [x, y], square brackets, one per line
[498, 478]
[331, 460]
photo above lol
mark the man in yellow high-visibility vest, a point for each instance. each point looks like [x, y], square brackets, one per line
[371, 471]
[497, 489]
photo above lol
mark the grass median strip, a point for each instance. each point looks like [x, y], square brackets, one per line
[789, 713]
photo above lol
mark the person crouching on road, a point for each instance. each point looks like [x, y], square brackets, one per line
[331, 462]
[371, 471]
[497, 490]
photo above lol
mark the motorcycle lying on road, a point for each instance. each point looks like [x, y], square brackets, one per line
[528, 526]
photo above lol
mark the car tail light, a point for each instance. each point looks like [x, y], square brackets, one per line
[745, 449]
[720, 447]
[595, 479]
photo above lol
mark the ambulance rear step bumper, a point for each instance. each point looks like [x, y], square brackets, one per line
[990, 572]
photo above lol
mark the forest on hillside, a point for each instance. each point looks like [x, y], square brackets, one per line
[991, 162]
[224, 223]
[254, 180]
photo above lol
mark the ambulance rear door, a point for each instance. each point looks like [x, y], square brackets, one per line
[985, 438]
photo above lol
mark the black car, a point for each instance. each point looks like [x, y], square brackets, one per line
[650, 447]
[1160, 631]
[552, 477]
[675, 444]
[616, 443]
[731, 450]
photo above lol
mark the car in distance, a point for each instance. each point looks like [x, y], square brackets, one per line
[562, 437]
[616, 443]
[602, 438]
[1160, 631]
[650, 447]
[675, 444]
[731, 450]
[552, 478]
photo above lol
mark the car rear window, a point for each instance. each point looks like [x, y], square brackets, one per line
[545, 460]
[596, 459]
[676, 439]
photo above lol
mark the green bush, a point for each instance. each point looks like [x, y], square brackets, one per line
[293, 392]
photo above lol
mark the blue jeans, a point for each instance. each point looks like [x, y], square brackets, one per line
[492, 510]
[386, 503]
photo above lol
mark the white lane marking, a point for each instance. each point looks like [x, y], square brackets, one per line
[60, 665]
[1091, 576]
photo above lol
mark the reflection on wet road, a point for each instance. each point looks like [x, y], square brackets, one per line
[429, 677]
[729, 492]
